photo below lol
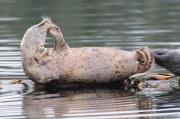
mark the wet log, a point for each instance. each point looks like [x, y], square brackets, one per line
[156, 81]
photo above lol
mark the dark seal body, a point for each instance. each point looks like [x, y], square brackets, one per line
[169, 59]
[85, 64]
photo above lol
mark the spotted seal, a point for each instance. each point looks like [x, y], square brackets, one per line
[84, 64]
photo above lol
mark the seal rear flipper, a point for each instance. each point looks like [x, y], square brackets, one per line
[145, 59]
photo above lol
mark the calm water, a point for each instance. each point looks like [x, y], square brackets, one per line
[127, 24]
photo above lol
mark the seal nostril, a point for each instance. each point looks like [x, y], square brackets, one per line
[161, 53]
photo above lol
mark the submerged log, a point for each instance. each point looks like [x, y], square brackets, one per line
[153, 80]
[142, 82]
[85, 64]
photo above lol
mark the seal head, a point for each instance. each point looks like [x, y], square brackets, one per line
[169, 59]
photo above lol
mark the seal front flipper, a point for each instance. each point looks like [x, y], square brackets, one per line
[60, 43]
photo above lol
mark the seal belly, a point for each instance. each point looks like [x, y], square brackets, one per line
[95, 64]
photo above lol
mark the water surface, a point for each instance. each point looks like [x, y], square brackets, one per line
[127, 24]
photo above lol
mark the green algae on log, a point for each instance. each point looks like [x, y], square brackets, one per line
[154, 80]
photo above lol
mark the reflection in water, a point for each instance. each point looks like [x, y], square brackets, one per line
[11, 106]
[86, 104]
[101, 104]
[89, 104]
[126, 24]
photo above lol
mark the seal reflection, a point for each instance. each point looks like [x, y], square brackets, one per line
[85, 104]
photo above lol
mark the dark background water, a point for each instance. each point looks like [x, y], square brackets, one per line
[127, 24]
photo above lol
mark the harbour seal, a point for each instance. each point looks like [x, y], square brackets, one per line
[85, 64]
[169, 59]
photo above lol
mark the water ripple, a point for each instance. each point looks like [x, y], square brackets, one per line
[124, 24]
